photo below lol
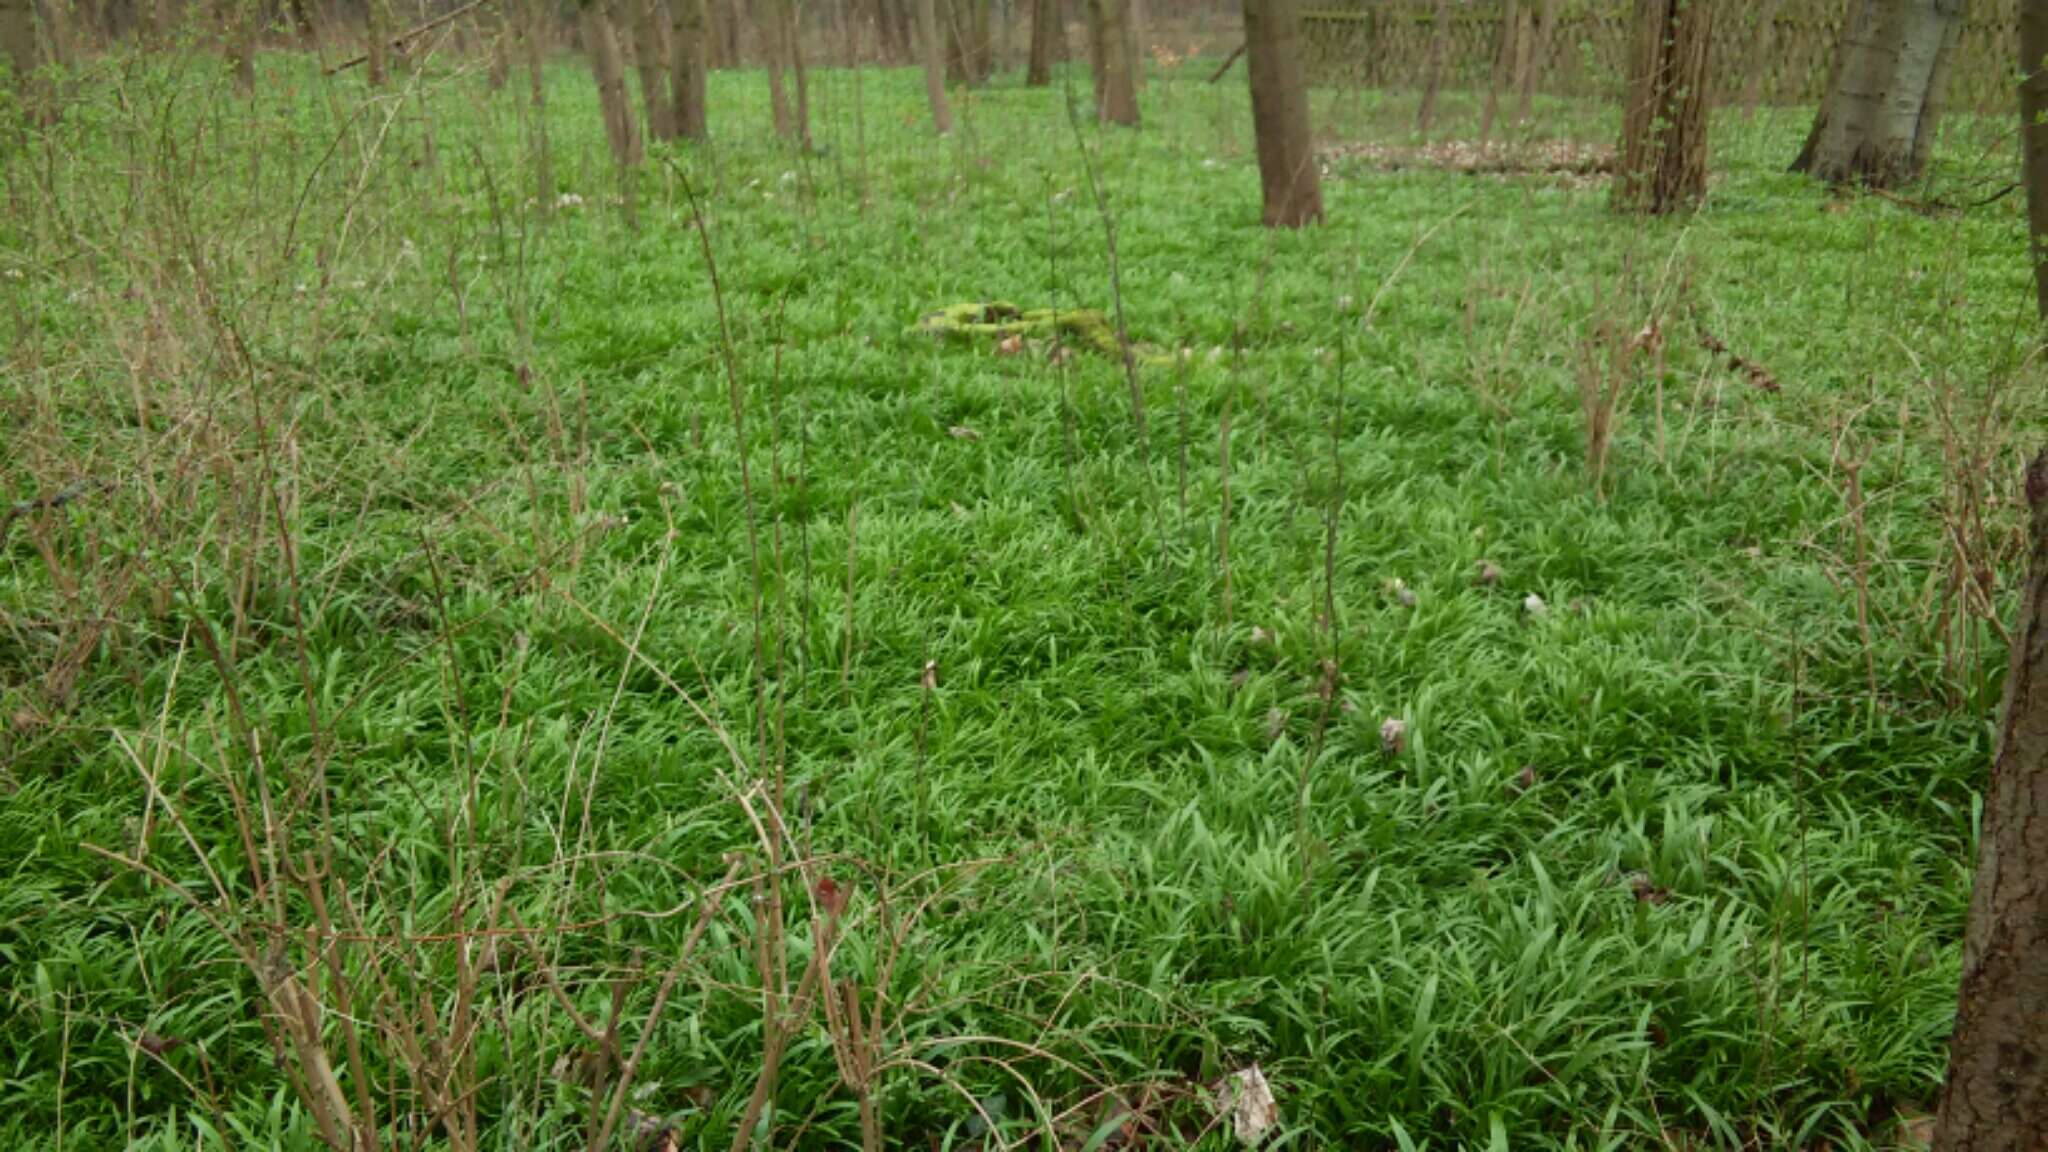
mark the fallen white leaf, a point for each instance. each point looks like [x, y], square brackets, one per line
[1248, 1100]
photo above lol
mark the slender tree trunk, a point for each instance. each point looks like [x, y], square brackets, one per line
[981, 42]
[771, 25]
[241, 21]
[501, 53]
[1503, 60]
[1535, 58]
[1760, 57]
[1439, 49]
[1663, 165]
[1045, 38]
[955, 32]
[1522, 75]
[2034, 136]
[1288, 180]
[688, 67]
[1116, 94]
[18, 37]
[650, 58]
[377, 50]
[1878, 121]
[533, 18]
[793, 57]
[934, 64]
[1996, 1097]
[607, 63]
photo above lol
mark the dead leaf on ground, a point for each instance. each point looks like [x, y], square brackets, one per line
[1393, 735]
[1246, 1098]
[963, 432]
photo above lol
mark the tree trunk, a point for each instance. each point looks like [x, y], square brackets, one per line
[981, 41]
[1433, 81]
[1535, 59]
[650, 58]
[243, 20]
[1523, 61]
[1045, 38]
[688, 67]
[1663, 165]
[934, 64]
[956, 20]
[1760, 56]
[18, 36]
[607, 63]
[1503, 59]
[2034, 136]
[378, 63]
[793, 60]
[771, 25]
[1996, 1097]
[1109, 38]
[1134, 36]
[533, 42]
[1877, 123]
[1288, 180]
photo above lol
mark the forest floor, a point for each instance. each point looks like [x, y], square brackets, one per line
[1317, 705]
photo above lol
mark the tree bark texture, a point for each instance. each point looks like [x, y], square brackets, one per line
[378, 49]
[1996, 1097]
[771, 25]
[1433, 79]
[930, 50]
[1503, 60]
[1663, 166]
[650, 59]
[1877, 124]
[1288, 181]
[2034, 136]
[1046, 33]
[241, 22]
[607, 63]
[688, 67]
[1109, 37]
[793, 61]
[18, 37]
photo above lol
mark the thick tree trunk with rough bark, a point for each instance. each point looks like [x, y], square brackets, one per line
[1046, 33]
[1109, 41]
[2034, 136]
[1996, 1098]
[1663, 165]
[1288, 180]
[688, 66]
[607, 63]
[933, 55]
[1878, 121]
[650, 59]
